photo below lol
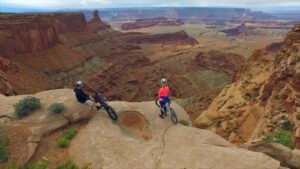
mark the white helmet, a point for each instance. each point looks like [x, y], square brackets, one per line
[79, 83]
[163, 81]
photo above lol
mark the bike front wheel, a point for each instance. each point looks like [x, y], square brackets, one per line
[173, 116]
[112, 113]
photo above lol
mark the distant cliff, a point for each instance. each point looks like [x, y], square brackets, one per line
[144, 23]
[29, 33]
[195, 14]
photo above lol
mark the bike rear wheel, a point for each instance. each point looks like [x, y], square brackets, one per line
[112, 113]
[173, 116]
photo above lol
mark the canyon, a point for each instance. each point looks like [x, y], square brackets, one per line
[241, 98]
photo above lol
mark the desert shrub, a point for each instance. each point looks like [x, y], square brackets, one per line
[71, 165]
[248, 95]
[4, 140]
[298, 116]
[70, 133]
[12, 166]
[56, 107]
[287, 125]
[63, 142]
[276, 96]
[294, 60]
[184, 122]
[282, 137]
[38, 165]
[3, 154]
[26, 105]
[68, 165]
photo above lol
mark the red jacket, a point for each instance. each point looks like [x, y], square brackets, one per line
[163, 91]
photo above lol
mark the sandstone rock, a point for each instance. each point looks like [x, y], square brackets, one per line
[104, 144]
[5, 86]
[297, 133]
[224, 125]
[46, 128]
[32, 148]
[275, 150]
[295, 160]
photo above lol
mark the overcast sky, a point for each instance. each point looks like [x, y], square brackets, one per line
[63, 4]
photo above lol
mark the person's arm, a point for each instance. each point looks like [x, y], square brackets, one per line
[84, 94]
[159, 93]
[168, 91]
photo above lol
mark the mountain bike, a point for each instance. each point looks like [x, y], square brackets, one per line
[104, 105]
[168, 110]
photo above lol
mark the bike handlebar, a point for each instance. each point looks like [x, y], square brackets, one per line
[156, 102]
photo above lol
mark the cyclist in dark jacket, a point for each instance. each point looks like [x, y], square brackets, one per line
[83, 97]
[80, 95]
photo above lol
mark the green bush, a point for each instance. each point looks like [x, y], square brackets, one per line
[184, 122]
[26, 105]
[70, 133]
[71, 165]
[276, 96]
[68, 165]
[294, 60]
[63, 142]
[12, 166]
[4, 140]
[248, 95]
[287, 125]
[298, 116]
[282, 137]
[3, 155]
[38, 165]
[56, 107]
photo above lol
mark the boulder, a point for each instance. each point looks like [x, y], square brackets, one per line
[295, 160]
[287, 157]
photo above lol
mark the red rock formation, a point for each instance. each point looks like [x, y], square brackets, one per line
[144, 23]
[263, 99]
[168, 38]
[96, 24]
[30, 33]
[227, 62]
[5, 86]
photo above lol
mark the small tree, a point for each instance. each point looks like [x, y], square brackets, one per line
[56, 107]
[63, 142]
[3, 154]
[282, 137]
[26, 106]
[70, 133]
[287, 125]
[298, 116]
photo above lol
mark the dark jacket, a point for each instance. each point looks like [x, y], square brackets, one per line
[80, 95]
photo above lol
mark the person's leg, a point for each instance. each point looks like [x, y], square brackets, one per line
[162, 109]
[97, 105]
[166, 102]
[90, 103]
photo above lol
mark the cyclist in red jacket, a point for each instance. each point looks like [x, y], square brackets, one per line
[163, 96]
